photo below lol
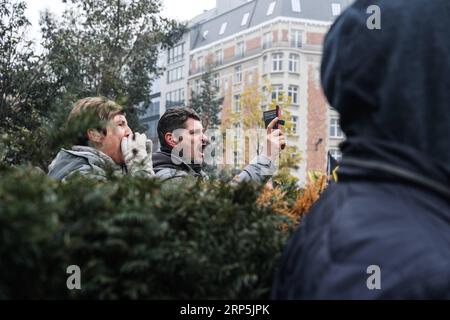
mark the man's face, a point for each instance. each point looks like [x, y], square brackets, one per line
[116, 130]
[194, 141]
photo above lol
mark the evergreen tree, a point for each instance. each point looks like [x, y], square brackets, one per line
[109, 48]
[207, 103]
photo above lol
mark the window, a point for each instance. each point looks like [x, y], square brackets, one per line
[296, 6]
[336, 154]
[200, 64]
[240, 49]
[267, 40]
[238, 74]
[264, 65]
[223, 27]
[336, 9]
[156, 86]
[205, 34]
[237, 103]
[277, 93]
[225, 85]
[293, 62]
[153, 108]
[152, 128]
[168, 100]
[335, 129]
[237, 130]
[175, 74]
[182, 96]
[237, 156]
[175, 98]
[271, 8]
[296, 38]
[294, 124]
[293, 94]
[245, 19]
[219, 56]
[277, 62]
[176, 53]
[217, 81]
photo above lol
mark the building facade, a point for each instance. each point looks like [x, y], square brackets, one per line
[267, 44]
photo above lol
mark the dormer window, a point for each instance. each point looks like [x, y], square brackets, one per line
[245, 19]
[336, 9]
[271, 8]
[223, 27]
[296, 6]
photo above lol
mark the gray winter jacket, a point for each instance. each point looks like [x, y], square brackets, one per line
[259, 170]
[85, 161]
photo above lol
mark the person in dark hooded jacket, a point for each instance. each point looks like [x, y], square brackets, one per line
[383, 231]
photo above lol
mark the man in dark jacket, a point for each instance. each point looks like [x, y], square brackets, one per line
[383, 231]
[180, 130]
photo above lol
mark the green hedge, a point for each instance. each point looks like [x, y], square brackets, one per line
[133, 238]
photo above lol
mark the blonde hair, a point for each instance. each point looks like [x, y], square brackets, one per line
[102, 107]
[92, 112]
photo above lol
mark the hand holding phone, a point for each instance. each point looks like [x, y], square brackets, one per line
[269, 116]
[272, 114]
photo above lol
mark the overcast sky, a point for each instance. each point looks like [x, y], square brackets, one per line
[177, 9]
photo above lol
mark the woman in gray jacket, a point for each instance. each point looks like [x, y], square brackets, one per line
[105, 144]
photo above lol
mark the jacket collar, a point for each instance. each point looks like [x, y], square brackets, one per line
[165, 159]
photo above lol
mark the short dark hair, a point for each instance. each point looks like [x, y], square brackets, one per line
[172, 119]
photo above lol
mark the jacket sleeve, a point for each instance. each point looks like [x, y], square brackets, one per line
[260, 170]
[170, 174]
[86, 170]
[64, 167]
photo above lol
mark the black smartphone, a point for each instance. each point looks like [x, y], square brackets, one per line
[269, 115]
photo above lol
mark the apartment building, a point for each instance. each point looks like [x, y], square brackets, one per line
[169, 89]
[276, 43]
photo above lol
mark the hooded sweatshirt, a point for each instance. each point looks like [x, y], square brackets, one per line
[391, 88]
[383, 231]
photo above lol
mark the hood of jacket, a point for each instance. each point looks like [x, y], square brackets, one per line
[391, 87]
